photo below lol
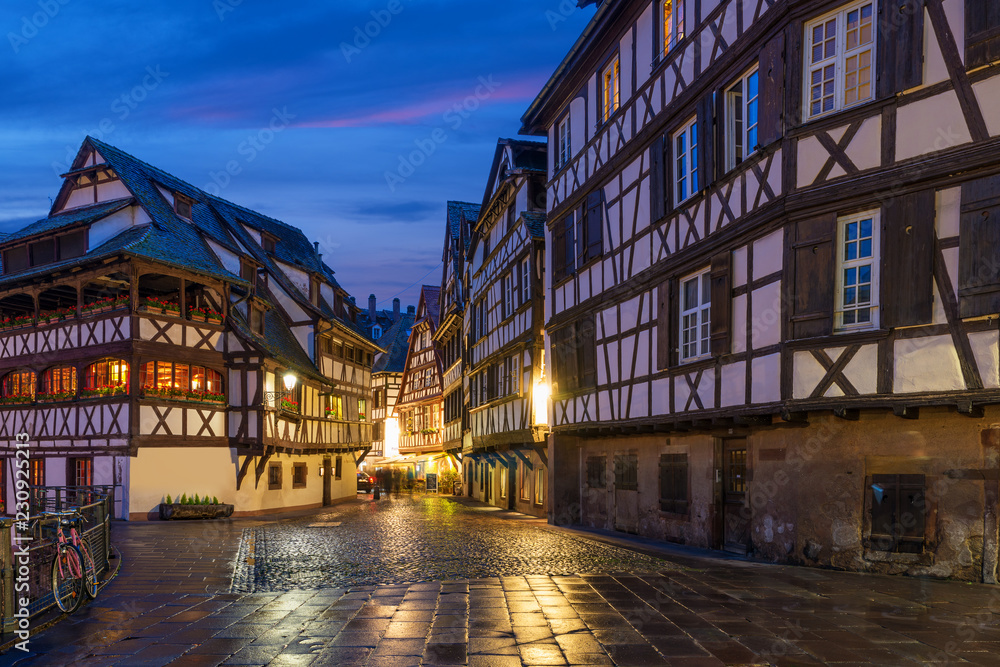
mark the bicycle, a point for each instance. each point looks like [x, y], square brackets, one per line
[74, 573]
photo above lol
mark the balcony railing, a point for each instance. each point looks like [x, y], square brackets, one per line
[420, 440]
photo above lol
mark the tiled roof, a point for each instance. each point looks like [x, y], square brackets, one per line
[535, 222]
[528, 155]
[455, 211]
[71, 218]
[395, 342]
[429, 295]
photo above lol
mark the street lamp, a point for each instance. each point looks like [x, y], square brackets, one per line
[272, 396]
[290, 381]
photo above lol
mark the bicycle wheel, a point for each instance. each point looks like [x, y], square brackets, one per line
[89, 571]
[67, 578]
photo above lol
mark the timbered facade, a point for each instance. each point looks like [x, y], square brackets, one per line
[771, 291]
[168, 342]
[505, 456]
[387, 377]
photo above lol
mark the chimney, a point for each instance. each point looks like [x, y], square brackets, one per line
[319, 255]
[395, 310]
[371, 309]
[411, 310]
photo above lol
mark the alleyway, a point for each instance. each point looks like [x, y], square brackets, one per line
[431, 581]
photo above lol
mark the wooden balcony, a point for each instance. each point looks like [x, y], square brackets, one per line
[410, 443]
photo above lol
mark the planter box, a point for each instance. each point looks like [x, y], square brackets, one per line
[152, 309]
[197, 318]
[178, 511]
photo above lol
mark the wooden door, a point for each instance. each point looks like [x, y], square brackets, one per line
[627, 492]
[735, 508]
[327, 482]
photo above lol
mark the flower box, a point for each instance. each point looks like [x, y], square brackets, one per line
[197, 317]
[179, 511]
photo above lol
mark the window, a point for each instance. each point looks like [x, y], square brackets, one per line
[525, 281]
[81, 472]
[840, 50]
[37, 472]
[248, 271]
[524, 482]
[59, 382]
[564, 248]
[596, 472]
[857, 275]
[695, 312]
[574, 355]
[672, 12]
[257, 320]
[539, 485]
[674, 483]
[982, 37]
[15, 260]
[274, 477]
[338, 469]
[182, 206]
[267, 243]
[166, 379]
[503, 481]
[19, 384]
[898, 513]
[376, 332]
[314, 292]
[610, 89]
[362, 410]
[335, 407]
[326, 345]
[299, 472]
[591, 228]
[741, 119]
[107, 377]
[511, 217]
[626, 472]
[43, 252]
[563, 139]
[507, 294]
[686, 161]
[377, 399]
[486, 248]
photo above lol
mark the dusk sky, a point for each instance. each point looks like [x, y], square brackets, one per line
[192, 86]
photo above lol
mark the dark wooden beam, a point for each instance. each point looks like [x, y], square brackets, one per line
[543, 454]
[753, 420]
[906, 411]
[794, 417]
[525, 459]
[850, 414]
[970, 409]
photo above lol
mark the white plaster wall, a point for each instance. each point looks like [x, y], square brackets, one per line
[112, 190]
[927, 364]
[113, 225]
[932, 124]
[230, 260]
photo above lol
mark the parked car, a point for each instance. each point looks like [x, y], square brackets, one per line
[365, 483]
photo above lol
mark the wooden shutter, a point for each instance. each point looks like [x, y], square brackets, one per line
[908, 260]
[586, 347]
[706, 141]
[900, 47]
[721, 303]
[73, 244]
[559, 251]
[982, 32]
[666, 325]
[657, 181]
[595, 225]
[771, 77]
[15, 259]
[579, 238]
[979, 238]
[43, 252]
[811, 283]
[721, 131]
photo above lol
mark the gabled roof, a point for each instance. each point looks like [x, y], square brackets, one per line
[395, 341]
[459, 212]
[513, 156]
[429, 296]
[535, 223]
[69, 219]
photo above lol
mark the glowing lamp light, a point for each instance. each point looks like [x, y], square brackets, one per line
[290, 381]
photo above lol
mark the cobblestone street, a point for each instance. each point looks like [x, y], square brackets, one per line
[407, 582]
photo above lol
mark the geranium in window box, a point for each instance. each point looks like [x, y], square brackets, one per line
[173, 309]
[212, 316]
[289, 405]
[151, 304]
[21, 321]
[56, 397]
[20, 399]
[119, 302]
[196, 314]
[332, 414]
[104, 391]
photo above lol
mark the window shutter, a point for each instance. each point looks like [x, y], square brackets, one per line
[721, 304]
[15, 259]
[706, 141]
[657, 181]
[770, 119]
[73, 244]
[721, 131]
[580, 238]
[586, 346]
[595, 225]
[812, 280]
[663, 332]
[979, 238]
[908, 260]
[982, 32]
[900, 46]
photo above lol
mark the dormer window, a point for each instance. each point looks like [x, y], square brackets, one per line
[248, 271]
[257, 320]
[314, 292]
[45, 251]
[183, 206]
[267, 243]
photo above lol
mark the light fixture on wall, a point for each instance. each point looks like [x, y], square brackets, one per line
[289, 379]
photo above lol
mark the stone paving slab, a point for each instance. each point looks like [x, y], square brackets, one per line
[693, 612]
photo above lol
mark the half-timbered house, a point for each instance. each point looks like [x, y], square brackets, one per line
[506, 458]
[449, 336]
[169, 342]
[420, 408]
[771, 280]
[387, 376]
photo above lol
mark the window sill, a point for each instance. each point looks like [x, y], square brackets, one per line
[876, 556]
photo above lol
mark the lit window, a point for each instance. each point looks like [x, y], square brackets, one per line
[857, 277]
[362, 410]
[672, 12]
[686, 161]
[741, 112]
[695, 311]
[19, 385]
[840, 61]
[335, 407]
[611, 89]
[565, 151]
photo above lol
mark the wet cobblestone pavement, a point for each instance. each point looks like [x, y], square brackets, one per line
[415, 538]
[172, 604]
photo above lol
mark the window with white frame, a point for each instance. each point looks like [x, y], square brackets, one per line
[610, 89]
[857, 274]
[686, 161]
[525, 281]
[672, 14]
[840, 59]
[695, 312]
[741, 119]
[507, 287]
[565, 151]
